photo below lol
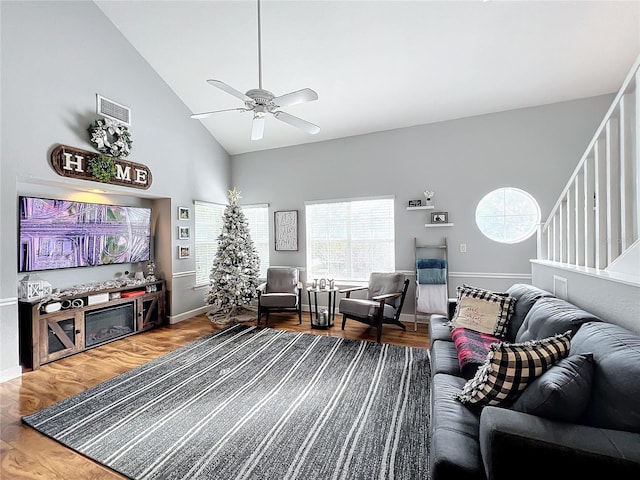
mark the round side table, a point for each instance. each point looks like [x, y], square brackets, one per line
[323, 318]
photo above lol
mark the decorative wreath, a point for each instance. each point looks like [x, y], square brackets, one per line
[111, 137]
[102, 167]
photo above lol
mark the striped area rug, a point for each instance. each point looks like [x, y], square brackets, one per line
[250, 403]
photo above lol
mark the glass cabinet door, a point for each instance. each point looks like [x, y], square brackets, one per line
[59, 336]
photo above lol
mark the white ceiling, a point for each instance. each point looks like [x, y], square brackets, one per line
[379, 65]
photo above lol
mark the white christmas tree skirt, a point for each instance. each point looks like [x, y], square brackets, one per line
[236, 315]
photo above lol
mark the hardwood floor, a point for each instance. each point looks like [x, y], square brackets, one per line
[27, 454]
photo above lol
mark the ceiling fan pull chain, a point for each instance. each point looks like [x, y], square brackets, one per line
[259, 49]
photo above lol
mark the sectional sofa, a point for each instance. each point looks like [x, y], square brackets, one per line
[578, 419]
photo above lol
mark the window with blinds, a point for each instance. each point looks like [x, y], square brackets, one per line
[258, 218]
[349, 239]
[208, 225]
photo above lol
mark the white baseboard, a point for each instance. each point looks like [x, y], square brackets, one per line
[191, 313]
[404, 317]
[10, 373]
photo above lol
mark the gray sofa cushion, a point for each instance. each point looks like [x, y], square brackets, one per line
[525, 295]
[364, 308]
[518, 446]
[615, 393]
[438, 329]
[381, 283]
[455, 447]
[444, 358]
[562, 392]
[550, 316]
[279, 300]
[282, 280]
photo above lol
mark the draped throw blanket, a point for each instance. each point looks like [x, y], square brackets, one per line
[431, 271]
[432, 286]
[472, 349]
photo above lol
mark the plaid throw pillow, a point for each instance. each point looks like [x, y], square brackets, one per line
[483, 311]
[509, 368]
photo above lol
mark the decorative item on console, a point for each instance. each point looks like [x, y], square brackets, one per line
[151, 268]
[32, 287]
[56, 296]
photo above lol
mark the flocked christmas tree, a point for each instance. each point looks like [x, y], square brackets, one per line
[236, 266]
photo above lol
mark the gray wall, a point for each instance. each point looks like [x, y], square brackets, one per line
[612, 301]
[535, 149]
[55, 57]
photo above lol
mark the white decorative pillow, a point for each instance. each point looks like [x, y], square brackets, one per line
[483, 311]
[510, 367]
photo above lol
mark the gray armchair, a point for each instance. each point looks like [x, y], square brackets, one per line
[385, 297]
[280, 293]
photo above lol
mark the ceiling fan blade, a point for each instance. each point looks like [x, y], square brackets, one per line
[229, 89]
[257, 129]
[293, 98]
[297, 122]
[206, 114]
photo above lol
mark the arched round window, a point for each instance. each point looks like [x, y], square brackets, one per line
[508, 215]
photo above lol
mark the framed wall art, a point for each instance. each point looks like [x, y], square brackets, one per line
[439, 217]
[183, 213]
[184, 251]
[286, 230]
[184, 233]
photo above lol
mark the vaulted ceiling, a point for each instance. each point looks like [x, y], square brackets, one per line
[380, 65]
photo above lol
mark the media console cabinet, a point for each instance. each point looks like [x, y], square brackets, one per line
[124, 311]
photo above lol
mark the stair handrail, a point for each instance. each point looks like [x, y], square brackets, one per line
[603, 124]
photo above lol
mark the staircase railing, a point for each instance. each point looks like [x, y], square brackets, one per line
[597, 216]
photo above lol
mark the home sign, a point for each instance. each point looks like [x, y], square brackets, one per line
[85, 165]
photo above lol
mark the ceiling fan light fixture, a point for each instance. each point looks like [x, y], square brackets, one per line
[262, 101]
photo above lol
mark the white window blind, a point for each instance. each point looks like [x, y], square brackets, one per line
[208, 225]
[209, 218]
[349, 239]
[258, 218]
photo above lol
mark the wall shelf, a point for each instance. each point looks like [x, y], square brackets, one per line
[438, 225]
[423, 207]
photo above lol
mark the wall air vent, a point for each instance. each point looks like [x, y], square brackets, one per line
[115, 111]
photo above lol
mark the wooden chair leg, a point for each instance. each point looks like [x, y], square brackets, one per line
[344, 321]
[379, 327]
[379, 318]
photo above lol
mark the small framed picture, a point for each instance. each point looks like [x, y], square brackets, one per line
[183, 213]
[184, 233]
[439, 217]
[415, 203]
[184, 251]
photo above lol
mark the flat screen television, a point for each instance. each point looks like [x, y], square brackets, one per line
[65, 234]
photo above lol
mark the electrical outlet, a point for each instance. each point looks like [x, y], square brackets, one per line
[463, 248]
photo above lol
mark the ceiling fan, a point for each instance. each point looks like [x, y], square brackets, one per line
[261, 101]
